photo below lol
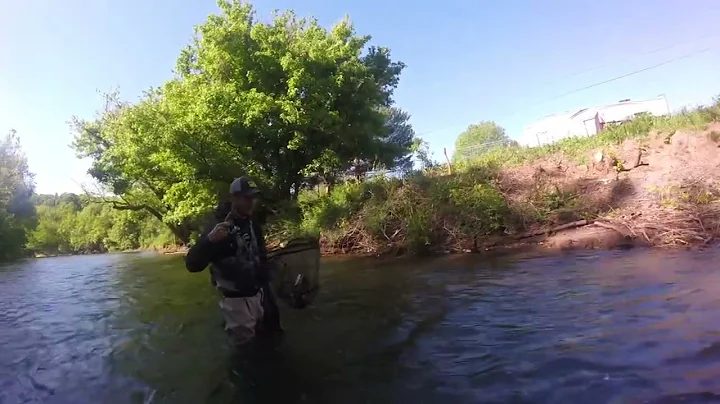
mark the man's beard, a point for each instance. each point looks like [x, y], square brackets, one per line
[238, 213]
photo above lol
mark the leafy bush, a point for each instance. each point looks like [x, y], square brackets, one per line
[415, 213]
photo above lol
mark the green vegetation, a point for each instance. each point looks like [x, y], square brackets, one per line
[431, 210]
[480, 139]
[65, 224]
[419, 213]
[415, 213]
[576, 148]
[70, 224]
[288, 103]
[677, 196]
[16, 187]
[306, 112]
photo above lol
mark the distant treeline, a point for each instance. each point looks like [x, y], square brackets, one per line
[17, 213]
[73, 224]
[32, 224]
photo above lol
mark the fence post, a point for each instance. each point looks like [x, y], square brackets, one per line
[449, 164]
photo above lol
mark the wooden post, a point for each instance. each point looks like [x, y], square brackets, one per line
[449, 164]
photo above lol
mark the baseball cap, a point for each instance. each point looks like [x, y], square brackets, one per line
[244, 186]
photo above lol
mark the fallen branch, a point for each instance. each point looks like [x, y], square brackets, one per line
[689, 224]
[565, 226]
[612, 227]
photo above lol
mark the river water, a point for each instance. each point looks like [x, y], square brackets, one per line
[591, 327]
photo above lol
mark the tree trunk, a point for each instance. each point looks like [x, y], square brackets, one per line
[181, 232]
[283, 191]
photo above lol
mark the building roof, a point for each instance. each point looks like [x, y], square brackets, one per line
[572, 114]
[562, 124]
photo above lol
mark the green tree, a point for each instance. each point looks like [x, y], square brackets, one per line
[52, 232]
[70, 224]
[478, 139]
[395, 150]
[421, 151]
[17, 212]
[277, 101]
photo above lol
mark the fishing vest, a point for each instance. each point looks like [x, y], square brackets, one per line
[247, 251]
[237, 275]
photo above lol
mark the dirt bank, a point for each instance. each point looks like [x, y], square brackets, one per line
[660, 191]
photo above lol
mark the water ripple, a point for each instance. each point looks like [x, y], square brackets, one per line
[592, 327]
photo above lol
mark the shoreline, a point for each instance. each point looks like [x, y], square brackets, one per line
[163, 251]
[593, 236]
[656, 191]
[600, 234]
[652, 182]
[589, 236]
[575, 236]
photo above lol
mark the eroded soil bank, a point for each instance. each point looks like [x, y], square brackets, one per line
[660, 191]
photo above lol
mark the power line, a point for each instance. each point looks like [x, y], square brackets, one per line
[685, 56]
[650, 52]
[483, 145]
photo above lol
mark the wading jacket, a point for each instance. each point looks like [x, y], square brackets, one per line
[238, 264]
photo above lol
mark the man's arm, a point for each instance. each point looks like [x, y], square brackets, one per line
[200, 254]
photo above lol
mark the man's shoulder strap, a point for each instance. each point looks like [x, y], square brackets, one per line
[253, 236]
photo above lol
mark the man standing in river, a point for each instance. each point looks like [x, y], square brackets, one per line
[234, 247]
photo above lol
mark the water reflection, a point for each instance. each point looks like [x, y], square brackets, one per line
[590, 327]
[175, 344]
[172, 337]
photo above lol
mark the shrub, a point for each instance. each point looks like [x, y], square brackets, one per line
[417, 213]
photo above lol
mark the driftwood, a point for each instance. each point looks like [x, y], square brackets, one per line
[565, 226]
[615, 228]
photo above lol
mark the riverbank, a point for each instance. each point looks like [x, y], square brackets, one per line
[164, 250]
[653, 181]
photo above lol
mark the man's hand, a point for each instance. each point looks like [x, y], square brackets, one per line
[220, 232]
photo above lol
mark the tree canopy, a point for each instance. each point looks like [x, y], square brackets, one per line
[480, 138]
[278, 101]
[69, 224]
[16, 187]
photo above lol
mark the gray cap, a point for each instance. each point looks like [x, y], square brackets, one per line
[244, 186]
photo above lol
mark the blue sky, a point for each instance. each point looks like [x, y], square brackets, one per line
[467, 60]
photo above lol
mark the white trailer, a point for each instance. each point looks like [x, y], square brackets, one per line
[589, 121]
